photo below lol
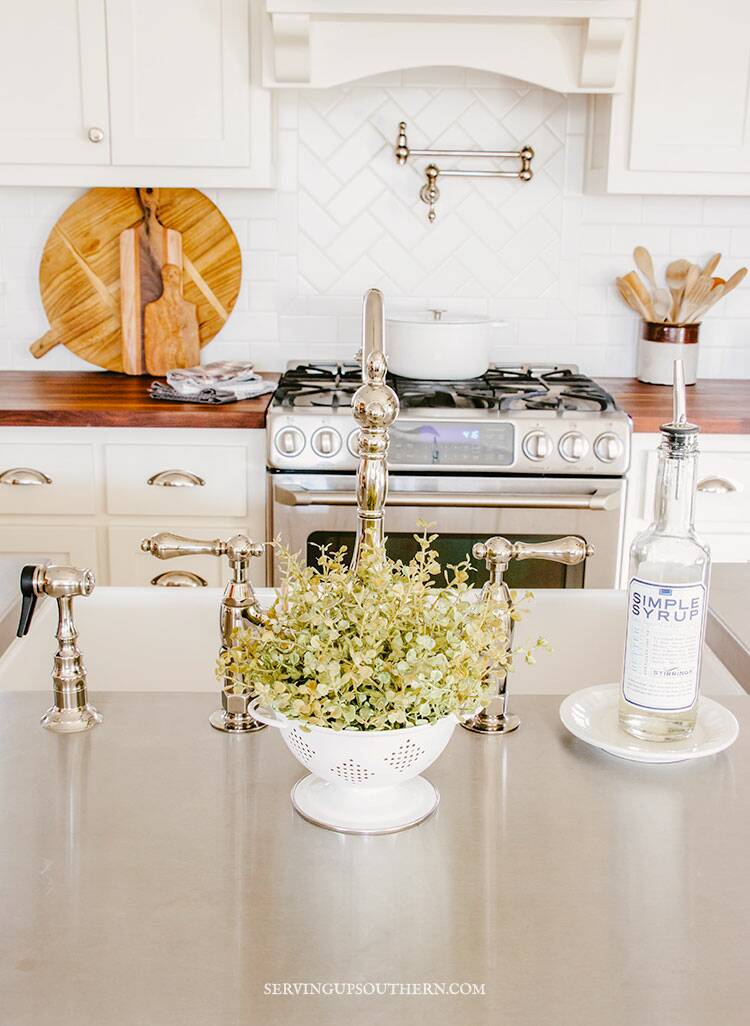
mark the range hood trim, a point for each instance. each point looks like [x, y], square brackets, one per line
[572, 46]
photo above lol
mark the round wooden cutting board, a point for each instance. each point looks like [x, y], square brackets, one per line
[79, 275]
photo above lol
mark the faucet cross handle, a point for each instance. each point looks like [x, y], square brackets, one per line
[497, 553]
[71, 710]
[239, 607]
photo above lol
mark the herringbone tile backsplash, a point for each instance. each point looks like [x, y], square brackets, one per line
[344, 217]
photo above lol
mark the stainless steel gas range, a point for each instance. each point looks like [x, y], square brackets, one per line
[531, 453]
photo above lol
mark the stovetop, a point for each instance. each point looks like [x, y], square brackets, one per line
[554, 388]
[511, 420]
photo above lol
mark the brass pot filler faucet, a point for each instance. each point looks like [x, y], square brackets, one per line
[375, 408]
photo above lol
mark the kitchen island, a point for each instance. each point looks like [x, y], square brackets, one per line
[153, 872]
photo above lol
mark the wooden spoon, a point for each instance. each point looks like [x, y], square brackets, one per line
[660, 297]
[631, 298]
[645, 265]
[676, 274]
[644, 296]
[662, 305]
[711, 265]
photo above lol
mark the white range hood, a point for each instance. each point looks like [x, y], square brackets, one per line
[572, 46]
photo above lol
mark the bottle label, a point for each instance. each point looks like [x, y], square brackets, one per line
[663, 644]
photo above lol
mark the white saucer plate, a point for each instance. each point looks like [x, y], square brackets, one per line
[591, 715]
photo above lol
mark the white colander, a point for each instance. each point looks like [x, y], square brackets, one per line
[363, 781]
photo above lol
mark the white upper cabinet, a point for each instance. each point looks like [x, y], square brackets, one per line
[53, 83]
[179, 82]
[682, 125]
[127, 92]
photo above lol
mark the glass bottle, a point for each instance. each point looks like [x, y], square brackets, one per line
[667, 595]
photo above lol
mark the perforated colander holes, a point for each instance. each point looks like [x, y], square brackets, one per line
[302, 749]
[404, 756]
[352, 772]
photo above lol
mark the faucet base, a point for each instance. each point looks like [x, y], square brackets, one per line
[234, 723]
[69, 721]
[484, 724]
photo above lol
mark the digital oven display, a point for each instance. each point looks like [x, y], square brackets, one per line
[448, 444]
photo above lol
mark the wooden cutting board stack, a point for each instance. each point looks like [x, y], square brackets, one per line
[104, 262]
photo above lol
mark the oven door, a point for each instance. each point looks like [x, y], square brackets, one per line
[307, 510]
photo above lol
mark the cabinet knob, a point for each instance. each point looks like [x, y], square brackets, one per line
[24, 476]
[96, 135]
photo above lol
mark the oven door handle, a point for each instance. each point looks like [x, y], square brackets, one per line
[290, 495]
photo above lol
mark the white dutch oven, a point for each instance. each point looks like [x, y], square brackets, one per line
[437, 345]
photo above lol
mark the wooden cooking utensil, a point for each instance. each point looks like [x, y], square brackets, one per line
[734, 281]
[631, 298]
[144, 250]
[697, 291]
[644, 296]
[661, 299]
[711, 264]
[713, 297]
[645, 265]
[676, 275]
[662, 305]
[170, 327]
[79, 274]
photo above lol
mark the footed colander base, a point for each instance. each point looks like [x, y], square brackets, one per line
[364, 810]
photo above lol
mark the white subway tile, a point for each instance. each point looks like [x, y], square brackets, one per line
[308, 329]
[672, 209]
[612, 209]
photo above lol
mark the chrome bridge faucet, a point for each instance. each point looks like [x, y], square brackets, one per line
[71, 710]
[239, 607]
[497, 553]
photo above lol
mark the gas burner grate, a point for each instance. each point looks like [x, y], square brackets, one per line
[546, 389]
[329, 385]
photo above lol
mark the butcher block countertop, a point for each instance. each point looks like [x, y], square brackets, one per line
[92, 399]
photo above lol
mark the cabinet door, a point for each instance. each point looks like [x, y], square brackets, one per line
[179, 82]
[690, 100]
[53, 83]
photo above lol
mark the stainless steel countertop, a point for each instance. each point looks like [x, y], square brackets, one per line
[154, 872]
[728, 627]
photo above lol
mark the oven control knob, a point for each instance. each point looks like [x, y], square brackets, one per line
[608, 447]
[351, 442]
[573, 446]
[537, 445]
[326, 441]
[289, 441]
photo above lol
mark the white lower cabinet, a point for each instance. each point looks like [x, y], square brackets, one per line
[89, 496]
[722, 504]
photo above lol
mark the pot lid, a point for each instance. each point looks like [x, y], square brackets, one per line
[436, 316]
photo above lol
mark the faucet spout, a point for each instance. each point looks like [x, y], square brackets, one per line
[375, 408]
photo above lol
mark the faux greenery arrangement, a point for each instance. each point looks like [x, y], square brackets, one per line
[385, 646]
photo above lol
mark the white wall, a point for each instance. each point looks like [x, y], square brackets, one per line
[345, 217]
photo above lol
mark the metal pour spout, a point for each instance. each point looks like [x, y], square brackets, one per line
[375, 408]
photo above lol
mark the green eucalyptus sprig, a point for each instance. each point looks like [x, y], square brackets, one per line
[387, 645]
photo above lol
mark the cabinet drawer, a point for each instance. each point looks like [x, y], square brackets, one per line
[174, 480]
[723, 495]
[130, 567]
[48, 479]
